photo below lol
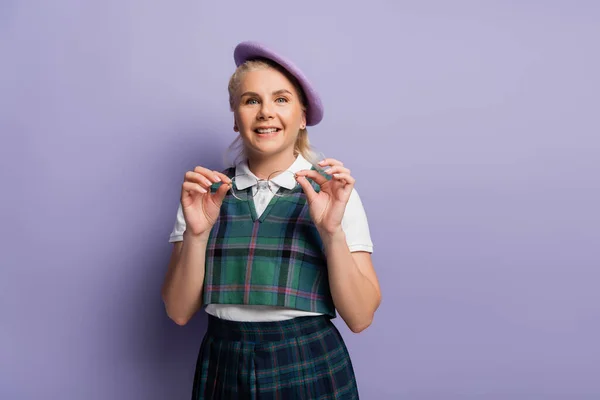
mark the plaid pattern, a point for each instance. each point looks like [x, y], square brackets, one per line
[301, 358]
[276, 260]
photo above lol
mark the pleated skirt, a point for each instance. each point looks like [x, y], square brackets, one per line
[301, 358]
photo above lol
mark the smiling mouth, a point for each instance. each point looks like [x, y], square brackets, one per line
[266, 131]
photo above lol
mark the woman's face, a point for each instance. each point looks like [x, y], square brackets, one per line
[268, 112]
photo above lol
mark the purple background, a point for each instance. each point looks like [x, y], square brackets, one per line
[471, 127]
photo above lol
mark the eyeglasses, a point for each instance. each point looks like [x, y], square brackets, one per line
[280, 183]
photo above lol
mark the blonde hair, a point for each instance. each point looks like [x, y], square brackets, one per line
[302, 145]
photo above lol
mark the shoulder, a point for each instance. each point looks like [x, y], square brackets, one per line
[229, 171]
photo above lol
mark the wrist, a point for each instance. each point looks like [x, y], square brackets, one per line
[331, 236]
[196, 237]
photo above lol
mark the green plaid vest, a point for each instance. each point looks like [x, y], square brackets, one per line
[277, 259]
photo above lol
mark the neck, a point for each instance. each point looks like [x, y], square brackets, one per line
[262, 166]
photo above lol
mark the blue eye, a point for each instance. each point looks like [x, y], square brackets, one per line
[281, 98]
[250, 101]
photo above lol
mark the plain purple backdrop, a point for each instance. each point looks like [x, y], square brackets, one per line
[471, 128]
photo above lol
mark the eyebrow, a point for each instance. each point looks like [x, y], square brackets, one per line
[280, 91]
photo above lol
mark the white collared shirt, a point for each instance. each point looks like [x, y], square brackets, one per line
[354, 224]
[264, 191]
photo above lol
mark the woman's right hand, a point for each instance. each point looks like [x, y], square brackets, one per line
[200, 207]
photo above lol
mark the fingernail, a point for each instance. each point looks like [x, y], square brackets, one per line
[217, 179]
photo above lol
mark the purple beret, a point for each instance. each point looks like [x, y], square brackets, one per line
[251, 50]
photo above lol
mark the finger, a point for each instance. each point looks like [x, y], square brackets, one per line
[193, 187]
[331, 162]
[220, 193]
[314, 175]
[307, 187]
[344, 177]
[221, 176]
[213, 176]
[337, 170]
[198, 178]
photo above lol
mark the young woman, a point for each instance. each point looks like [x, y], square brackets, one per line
[273, 248]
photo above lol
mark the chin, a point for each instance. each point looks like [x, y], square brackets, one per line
[267, 150]
[267, 145]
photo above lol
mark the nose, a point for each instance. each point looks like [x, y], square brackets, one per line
[265, 112]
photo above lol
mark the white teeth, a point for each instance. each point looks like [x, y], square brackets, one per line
[270, 130]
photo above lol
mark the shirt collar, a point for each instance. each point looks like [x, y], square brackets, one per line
[245, 178]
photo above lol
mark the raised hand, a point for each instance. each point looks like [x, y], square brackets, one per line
[328, 205]
[200, 207]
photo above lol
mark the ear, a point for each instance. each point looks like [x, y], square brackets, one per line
[235, 126]
[303, 121]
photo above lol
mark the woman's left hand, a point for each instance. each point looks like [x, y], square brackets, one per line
[328, 205]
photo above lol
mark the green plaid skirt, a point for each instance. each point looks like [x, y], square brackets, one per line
[301, 358]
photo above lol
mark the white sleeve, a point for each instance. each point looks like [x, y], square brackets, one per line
[179, 228]
[356, 226]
